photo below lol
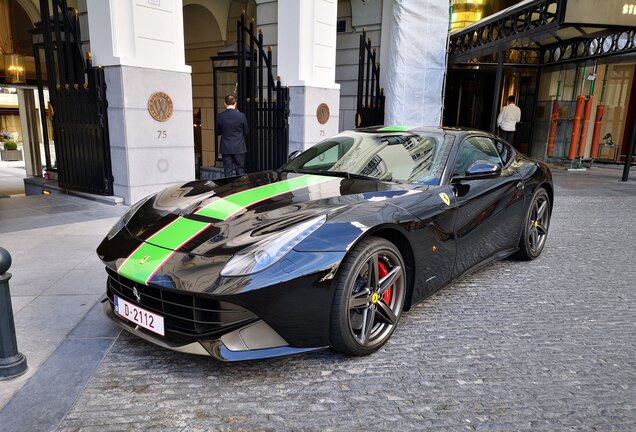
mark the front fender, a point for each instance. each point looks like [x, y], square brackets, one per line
[345, 229]
[293, 296]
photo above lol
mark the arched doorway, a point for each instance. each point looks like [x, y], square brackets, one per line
[354, 18]
[202, 35]
[209, 26]
[19, 119]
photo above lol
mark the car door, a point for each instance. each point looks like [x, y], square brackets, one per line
[489, 211]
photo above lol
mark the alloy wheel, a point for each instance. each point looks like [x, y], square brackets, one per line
[376, 300]
[538, 224]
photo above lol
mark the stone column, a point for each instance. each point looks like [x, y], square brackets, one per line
[140, 45]
[307, 64]
[416, 63]
[30, 121]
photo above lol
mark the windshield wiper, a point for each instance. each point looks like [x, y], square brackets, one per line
[353, 175]
[331, 173]
[295, 171]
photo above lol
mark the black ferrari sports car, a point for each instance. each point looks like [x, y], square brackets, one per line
[327, 251]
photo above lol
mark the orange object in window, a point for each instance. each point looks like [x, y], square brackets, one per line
[576, 127]
[554, 122]
[596, 135]
[586, 124]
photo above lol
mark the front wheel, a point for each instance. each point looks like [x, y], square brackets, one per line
[369, 296]
[536, 224]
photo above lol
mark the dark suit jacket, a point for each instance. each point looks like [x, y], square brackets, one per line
[232, 126]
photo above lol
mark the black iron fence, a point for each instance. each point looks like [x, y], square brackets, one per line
[263, 99]
[370, 100]
[80, 126]
[77, 93]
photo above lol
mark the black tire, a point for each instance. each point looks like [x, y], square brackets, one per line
[361, 297]
[536, 225]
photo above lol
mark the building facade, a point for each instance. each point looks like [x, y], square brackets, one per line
[186, 51]
[166, 66]
[569, 64]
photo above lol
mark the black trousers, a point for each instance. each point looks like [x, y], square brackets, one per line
[507, 135]
[233, 164]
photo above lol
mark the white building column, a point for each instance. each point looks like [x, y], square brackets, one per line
[307, 65]
[416, 62]
[140, 45]
[29, 119]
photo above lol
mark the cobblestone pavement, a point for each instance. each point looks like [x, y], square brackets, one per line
[545, 345]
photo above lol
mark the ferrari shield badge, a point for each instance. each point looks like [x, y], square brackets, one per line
[375, 297]
[144, 259]
[445, 198]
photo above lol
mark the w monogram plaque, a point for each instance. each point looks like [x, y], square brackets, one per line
[160, 106]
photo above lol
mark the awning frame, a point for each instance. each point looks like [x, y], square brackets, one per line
[516, 33]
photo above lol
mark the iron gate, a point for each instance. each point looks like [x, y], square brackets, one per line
[77, 93]
[370, 106]
[264, 101]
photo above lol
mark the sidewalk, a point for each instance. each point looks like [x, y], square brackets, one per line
[11, 179]
[466, 350]
[597, 181]
[57, 277]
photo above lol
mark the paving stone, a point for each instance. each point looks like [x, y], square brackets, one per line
[524, 346]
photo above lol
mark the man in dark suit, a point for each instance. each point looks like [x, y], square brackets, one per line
[232, 126]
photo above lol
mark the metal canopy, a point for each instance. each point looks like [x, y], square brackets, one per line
[533, 32]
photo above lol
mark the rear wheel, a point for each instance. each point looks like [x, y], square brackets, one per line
[536, 224]
[369, 296]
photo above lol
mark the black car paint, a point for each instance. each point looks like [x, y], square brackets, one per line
[440, 242]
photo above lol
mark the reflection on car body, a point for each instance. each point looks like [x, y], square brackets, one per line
[327, 251]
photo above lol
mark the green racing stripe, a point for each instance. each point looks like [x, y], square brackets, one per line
[142, 264]
[226, 207]
[396, 129]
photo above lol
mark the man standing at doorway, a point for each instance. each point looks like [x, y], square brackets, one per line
[232, 126]
[508, 118]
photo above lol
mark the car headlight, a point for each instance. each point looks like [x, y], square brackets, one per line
[126, 217]
[265, 253]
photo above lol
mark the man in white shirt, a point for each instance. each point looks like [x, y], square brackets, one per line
[508, 118]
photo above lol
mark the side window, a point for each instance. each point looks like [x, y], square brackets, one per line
[504, 152]
[474, 149]
[324, 159]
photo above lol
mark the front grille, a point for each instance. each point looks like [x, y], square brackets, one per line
[185, 313]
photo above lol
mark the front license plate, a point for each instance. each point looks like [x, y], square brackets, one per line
[141, 317]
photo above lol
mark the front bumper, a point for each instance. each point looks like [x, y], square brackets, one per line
[253, 341]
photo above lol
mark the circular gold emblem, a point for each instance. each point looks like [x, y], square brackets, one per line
[160, 106]
[322, 113]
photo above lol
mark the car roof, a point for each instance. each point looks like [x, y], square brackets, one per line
[431, 129]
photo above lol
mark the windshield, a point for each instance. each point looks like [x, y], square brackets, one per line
[409, 157]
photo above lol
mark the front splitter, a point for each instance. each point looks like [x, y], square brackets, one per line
[214, 348]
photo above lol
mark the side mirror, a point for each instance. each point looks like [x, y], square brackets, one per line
[293, 155]
[480, 170]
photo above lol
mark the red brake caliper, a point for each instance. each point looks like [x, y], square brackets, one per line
[382, 271]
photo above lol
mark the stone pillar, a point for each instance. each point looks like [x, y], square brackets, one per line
[30, 122]
[416, 62]
[140, 45]
[385, 41]
[307, 64]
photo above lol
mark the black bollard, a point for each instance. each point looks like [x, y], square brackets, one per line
[12, 363]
